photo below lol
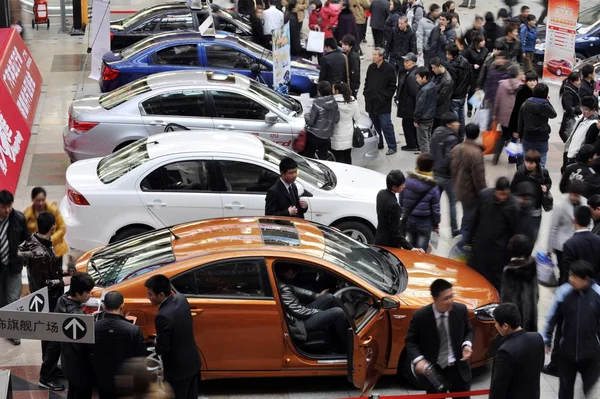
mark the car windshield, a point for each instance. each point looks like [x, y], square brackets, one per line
[308, 171]
[141, 15]
[119, 163]
[285, 104]
[257, 51]
[124, 93]
[130, 258]
[377, 266]
[590, 16]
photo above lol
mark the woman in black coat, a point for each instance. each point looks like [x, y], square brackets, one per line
[523, 93]
[571, 103]
[519, 281]
[295, 28]
[492, 31]
[346, 24]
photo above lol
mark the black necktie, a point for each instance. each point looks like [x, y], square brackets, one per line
[292, 194]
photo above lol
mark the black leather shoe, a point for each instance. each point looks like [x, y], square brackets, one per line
[456, 233]
[58, 373]
[407, 148]
[51, 385]
[550, 369]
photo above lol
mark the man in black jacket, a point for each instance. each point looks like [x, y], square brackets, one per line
[441, 35]
[460, 71]
[520, 358]
[117, 340]
[282, 198]
[584, 245]
[403, 41]
[588, 85]
[440, 335]
[348, 47]
[425, 107]
[577, 304]
[333, 63]
[406, 96]
[445, 85]
[175, 341]
[13, 231]
[594, 204]
[581, 171]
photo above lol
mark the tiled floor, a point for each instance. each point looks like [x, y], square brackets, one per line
[61, 59]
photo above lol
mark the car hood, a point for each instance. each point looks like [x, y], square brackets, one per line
[470, 287]
[305, 65]
[355, 182]
[89, 104]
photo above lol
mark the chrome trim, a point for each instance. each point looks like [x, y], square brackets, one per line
[332, 361]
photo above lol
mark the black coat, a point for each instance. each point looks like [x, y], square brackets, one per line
[513, 48]
[295, 28]
[445, 86]
[354, 66]
[426, 103]
[278, 200]
[517, 367]
[117, 340]
[391, 23]
[541, 177]
[570, 101]
[333, 67]
[492, 32]
[380, 10]
[579, 172]
[438, 42]
[584, 245]
[587, 88]
[389, 231]
[17, 233]
[380, 87]
[520, 286]
[346, 26]
[460, 71]
[406, 97]
[401, 43]
[523, 93]
[175, 341]
[443, 141]
[533, 120]
[470, 35]
[475, 57]
[422, 337]
[258, 35]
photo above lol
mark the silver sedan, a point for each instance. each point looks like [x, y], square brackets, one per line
[199, 100]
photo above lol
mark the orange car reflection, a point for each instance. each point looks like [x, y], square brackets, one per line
[229, 268]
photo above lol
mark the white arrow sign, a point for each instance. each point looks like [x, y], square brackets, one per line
[37, 303]
[71, 326]
[26, 303]
[58, 327]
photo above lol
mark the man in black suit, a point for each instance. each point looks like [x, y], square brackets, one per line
[594, 204]
[117, 340]
[584, 245]
[440, 336]
[282, 198]
[519, 361]
[175, 338]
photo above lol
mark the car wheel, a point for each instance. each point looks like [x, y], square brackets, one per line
[129, 232]
[357, 230]
[579, 58]
[405, 372]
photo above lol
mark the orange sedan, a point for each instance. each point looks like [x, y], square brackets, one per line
[229, 270]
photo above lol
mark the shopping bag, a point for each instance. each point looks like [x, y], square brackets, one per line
[489, 139]
[477, 99]
[315, 41]
[420, 61]
[545, 270]
[482, 119]
[514, 149]
[461, 254]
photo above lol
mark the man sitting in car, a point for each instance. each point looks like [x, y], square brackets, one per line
[319, 314]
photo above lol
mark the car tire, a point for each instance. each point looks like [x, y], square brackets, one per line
[579, 58]
[405, 372]
[129, 232]
[357, 230]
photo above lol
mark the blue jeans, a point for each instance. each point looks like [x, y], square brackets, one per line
[419, 230]
[10, 287]
[384, 126]
[539, 146]
[445, 184]
[465, 226]
[458, 107]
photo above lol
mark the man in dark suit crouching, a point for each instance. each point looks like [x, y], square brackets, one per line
[282, 198]
[440, 340]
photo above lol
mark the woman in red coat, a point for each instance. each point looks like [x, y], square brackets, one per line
[323, 19]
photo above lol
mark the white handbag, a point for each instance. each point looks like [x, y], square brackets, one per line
[316, 41]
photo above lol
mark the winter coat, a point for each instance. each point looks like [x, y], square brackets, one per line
[520, 286]
[43, 269]
[359, 9]
[258, 34]
[17, 233]
[528, 37]
[346, 26]
[438, 41]
[587, 88]
[344, 129]
[533, 120]
[415, 13]
[581, 173]
[470, 35]
[333, 67]
[475, 57]
[468, 172]
[426, 25]
[443, 142]
[380, 10]
[295, 312]
[592, 136]
[58, 238]
[512, 47]
[539, 178]
[445, 86]
[422, 195]
[570, 100]
[505, 100]
[460, 71]
[354, 67]
[380, 86]
[400, 44]
[389, 232]
[577, 138]
[562, 227]
[522, 94]
[391, 23]
[406, 96]
[426, 103]
[322, 117]
[324, 19]
[494, 74]
[295, 28]
[492, 32]
[301, 7]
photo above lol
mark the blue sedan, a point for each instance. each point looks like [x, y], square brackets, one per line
[174, 51]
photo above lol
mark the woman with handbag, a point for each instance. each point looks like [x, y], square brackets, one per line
[533, 171]
[341, 141]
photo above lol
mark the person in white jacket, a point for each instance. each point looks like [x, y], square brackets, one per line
[341, 141]
[589, 107]
[562, 227]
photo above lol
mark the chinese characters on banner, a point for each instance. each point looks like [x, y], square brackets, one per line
[559, 57]
[19, 93]
[281, 59]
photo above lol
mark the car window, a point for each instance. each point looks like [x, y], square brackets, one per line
[242, 177]
[172, 22]
[124, 93]
[179, 176]
[180, 103]
[147, 26]
[237, 106]
[227, 57]
[225, 24]
[233, 279]
[119, 163]
[184, 55]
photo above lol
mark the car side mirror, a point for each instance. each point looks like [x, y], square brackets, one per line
[271, 118]
[255, 69]
[389, 304]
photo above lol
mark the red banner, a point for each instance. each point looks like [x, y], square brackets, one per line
[20, 87]
[559, 56]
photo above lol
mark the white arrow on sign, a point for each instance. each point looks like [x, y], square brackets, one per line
[36, 303]
[73, 325]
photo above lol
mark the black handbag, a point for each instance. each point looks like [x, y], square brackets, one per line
[547, 201]
[358, 140]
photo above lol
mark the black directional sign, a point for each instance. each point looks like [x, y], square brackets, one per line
[74, 328]
[36, 304]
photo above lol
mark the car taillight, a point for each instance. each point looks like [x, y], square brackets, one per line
[112, 35]
[108, 73]
[80, 127]
[76, 197]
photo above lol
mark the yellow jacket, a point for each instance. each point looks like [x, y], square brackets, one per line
[58, 238]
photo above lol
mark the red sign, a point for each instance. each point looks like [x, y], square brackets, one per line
[20, 87]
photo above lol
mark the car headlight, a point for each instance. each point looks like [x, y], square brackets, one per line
[314, 79]
[486, 312]
[540, 47]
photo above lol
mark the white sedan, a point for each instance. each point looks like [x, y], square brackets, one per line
[184, 176]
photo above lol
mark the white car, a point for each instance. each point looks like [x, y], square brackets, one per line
[184, 176]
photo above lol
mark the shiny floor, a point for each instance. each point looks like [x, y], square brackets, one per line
[64, 65]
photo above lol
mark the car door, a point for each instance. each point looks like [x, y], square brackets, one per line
[172, 58]
[237, 324]
[236, 110]
[184, 107]
[180, 190]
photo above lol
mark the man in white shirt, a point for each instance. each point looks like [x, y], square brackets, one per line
[272, 19]
[440, 341]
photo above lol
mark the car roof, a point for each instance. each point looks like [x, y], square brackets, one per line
[190, 35]
[179, 5]
[196, 77]
[180, 142]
